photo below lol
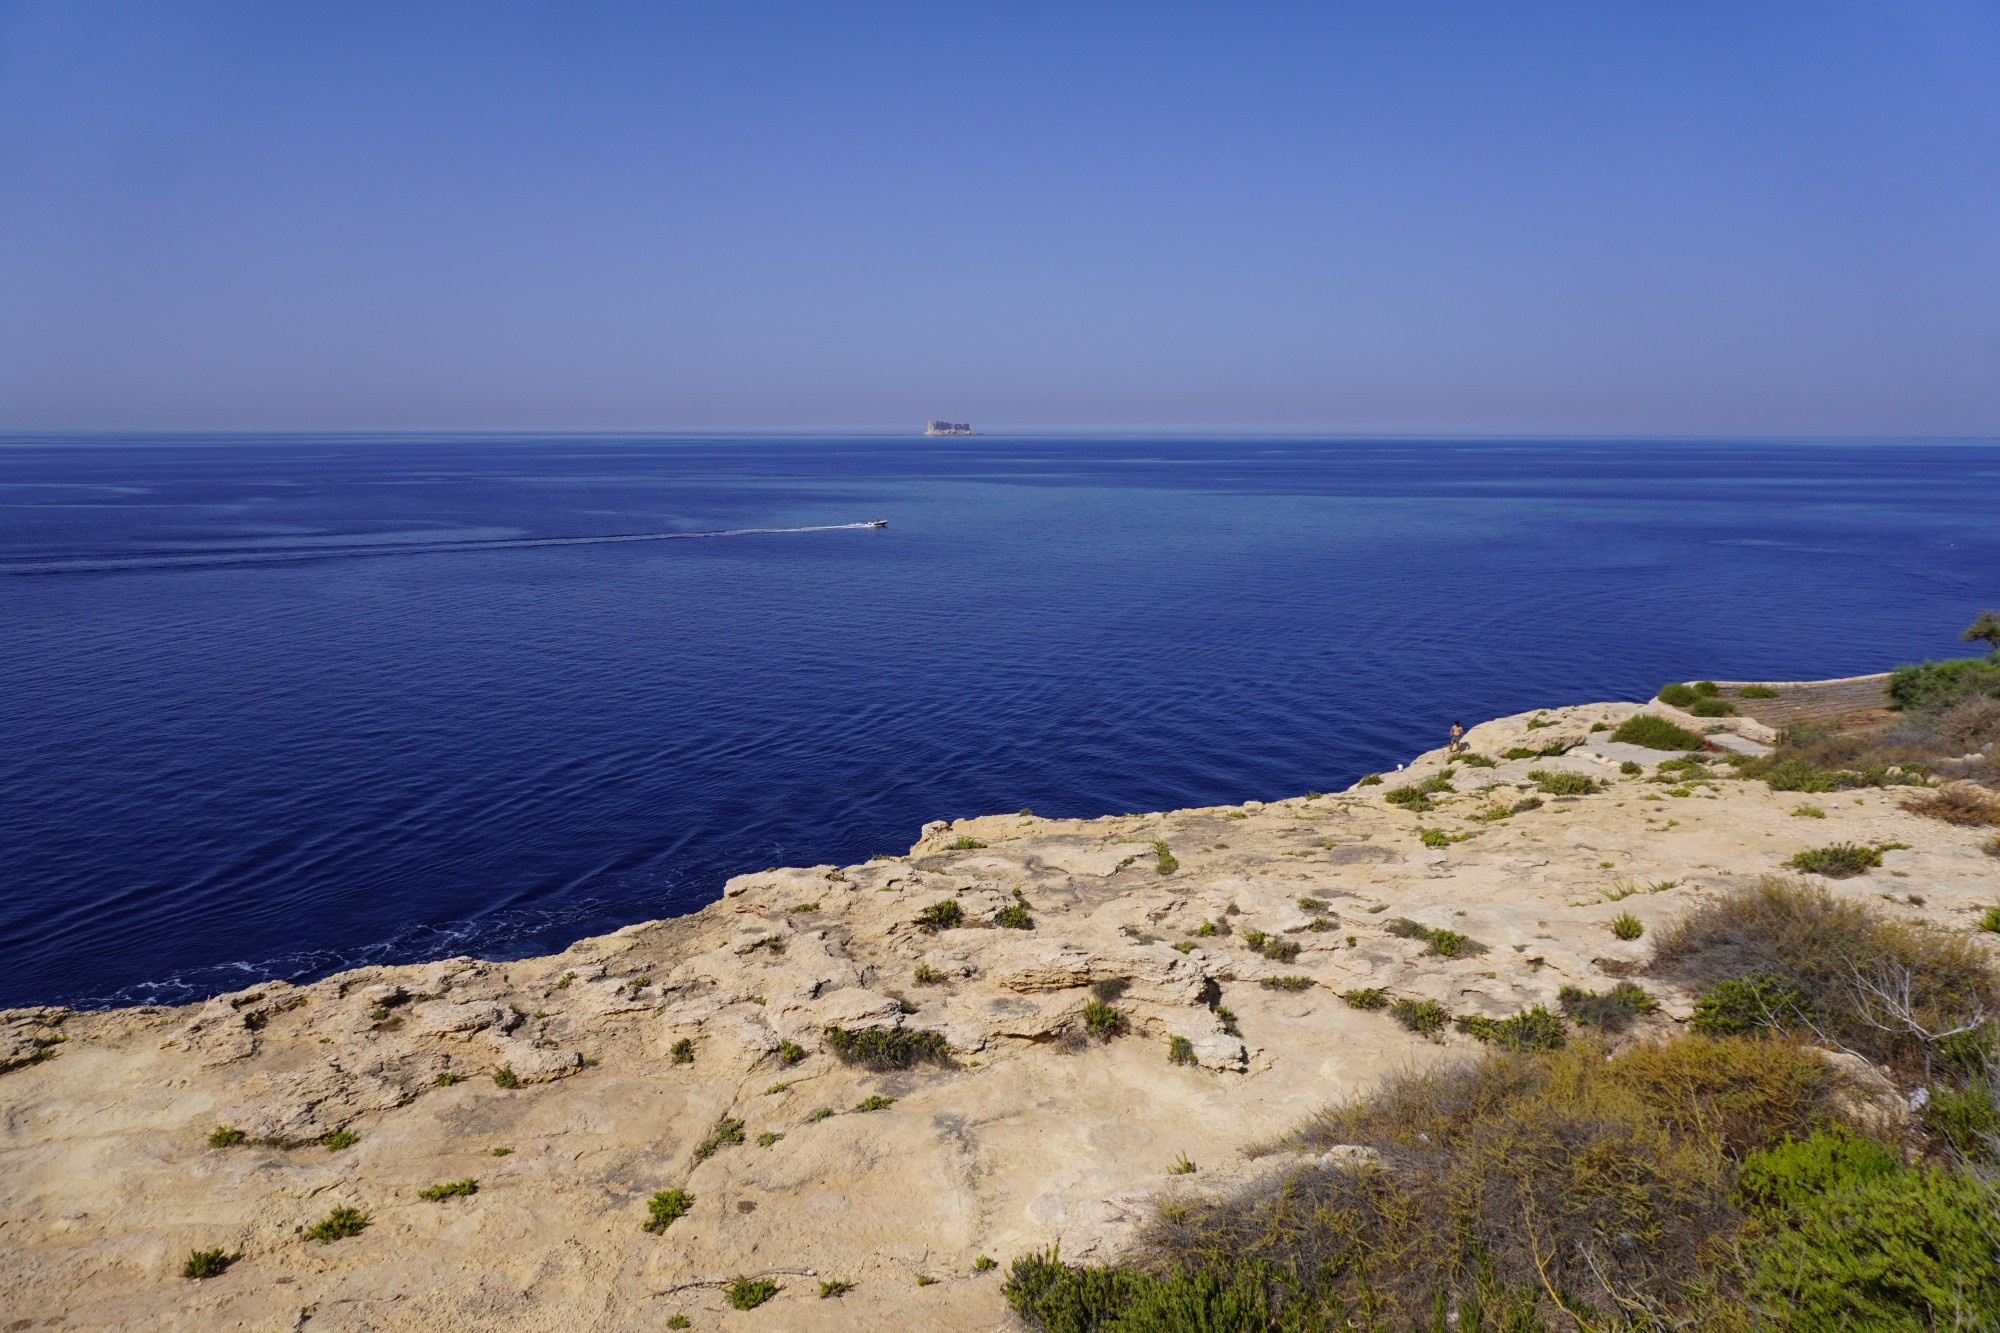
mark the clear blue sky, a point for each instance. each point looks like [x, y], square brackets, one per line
[1480, 217]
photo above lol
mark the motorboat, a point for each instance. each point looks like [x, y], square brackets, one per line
[878, 522]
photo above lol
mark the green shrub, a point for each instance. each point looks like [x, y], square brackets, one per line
[1367, 780]
[1180, 1051]
[1525, 804]
[1655, 733]
[824, 1113]
[339, 1224]
[1164, 860]
[1988, 920]
[1756, 692]
[1707, 688]
[1014, 917]
[1627, 927]
[1966, 1117]
[1424, 1017]
[450, 1190]
[1313, 904]
[1102, 1021]
[1558, 783]
[747, 1293]
[505, 1077]
[1611, 1011]
[965, 845]
[768, 1138]
[790, 1052]
[1433, 837]
[1712, 708]
[1287, 983]
[666, 1208]
[1366, 997]
[677, 1321]
[447, 1079]
[1742, 1005]
[1842, 860]
[1936, 686]
[985, 1264]
[1808, 812]
[833, 1287]
[335, 1140]
[683, 1051]
[1631, 766]
[1477, 761]
[225, 1137]
[1448, 943]
[1280, 951]
[942, 915]
[1677, 694]
[206, 1263]
[875, 1103]
[1533, 1029]
[1800, 775]
[728, 1132]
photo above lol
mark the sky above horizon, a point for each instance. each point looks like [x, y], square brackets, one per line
[1707, 218]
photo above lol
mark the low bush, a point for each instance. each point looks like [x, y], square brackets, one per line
[1180, 1051]
[1712, 708]
[1433, 837]
[1988, 920]
[505, 1077]
[1533, 1029]
[1525, 804]
[339, 1224]
[965, 845]
[1808, 812]
[1934, 687]
[1609, 1011]
[1627, 927]
[1102, 1021]
[943, 915]
[1677, 694]
[1960, 803]
[790, 1052]
[1743, 1005]
[1014, 917]
[877, 1102]
[683, 1051]
[1558, 783]
[1163, 859]
[1841, 860]
[206, 1263]
[666, 1208]
[1966, 1118]
[1287, 983]
[1367, 997]
[728, 1132]
[926, 975]
[1426, 1018]
[1477, 761]
[454, 1189]
[1756, 692]
[747, 1293]
[224, 1136]
[888, 1048]
[1655, 733]
[833, 1287]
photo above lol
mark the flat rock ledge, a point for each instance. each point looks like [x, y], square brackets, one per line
[693, 1054]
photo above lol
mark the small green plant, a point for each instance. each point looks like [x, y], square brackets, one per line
[677, 1321]
[767, 1138]
[1180, 1051]
[1183, 1166]
[965, 845]
[1205, 930]
[1554, 782]
[206, 1263]
[1988, 920]
[942, 915]
[1447, 943]
[790, 1052]
[1525, 804]
[454, 1189]
[502, 1152]
[1631, 767]
[1102, 1021]
[1164, 860]
[1808, 812]
[888, 1048]
[1365, 997]
[833, 1287]
[824, 1113]
[567, 979]
[747, 1293]
[1426, 1018]
[666, 1208]
[1227, 1017]
[1533, 1029]
[1370, 780]
[985, 1264]
[1677, 694]
[1627, 927]
[1280, 951]
[335, 1140]
[1287, 983]
[683, 1051]
[875, 1103]
[1613, 1011]
[1014, 917]
[1745, 1004]
[339, 1224]
[1313, 904]
[447, 1078]
[802, 907]
[1712, 708]
[1841, 860]
[1433, 837]
[1655, 733]
[226, 1137]
[505, 1077]
[1756, 692]
[926, 975]
[925, 1280]
[728, 1132]
[1477, 761]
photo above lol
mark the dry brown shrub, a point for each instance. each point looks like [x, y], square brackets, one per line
[1968, 725]
[1958, 803]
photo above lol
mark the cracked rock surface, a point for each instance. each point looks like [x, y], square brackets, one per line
[573, 1087]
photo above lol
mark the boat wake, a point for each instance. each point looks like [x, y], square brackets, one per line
[270, 555]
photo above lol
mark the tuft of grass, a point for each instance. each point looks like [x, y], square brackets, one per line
[1434, 837]
[1757, 692]
[1808, 812]
[447, 1079]
[1180, 1051]
[942, 915]
[802, 907]
[339, 1224]
[505, 1077]
[1163, 860]
[1841, 860]
[833, 1287]
[1655, 733]
[728, 1132]
[335, 1140]
[1611, 1011]
[677, 1321]
[206, 1264]
[1627, 927]
[926, 975]
[502, 1152]
[888, 1048]
[223, 1136]
[768, 1137]
[1183, 1165]
[985, 1264]
[1525, 804]
[1426, 1018]
[876, 1102]
[666, 1208]
[1370, 780]
[790, 1052]
[683, 1051]
[454, 1189]
[1102, 1021]
[1477, 761]
[1451, 944]
[1014, 916]
[1712, 708]
[824, 1113]
[1287, 983]
[1988, 920]
[926, 1280]
[965, 845]
[747, 1293]
[1366, 997]
[1555, 782]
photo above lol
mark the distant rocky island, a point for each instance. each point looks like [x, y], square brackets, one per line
[949, 428]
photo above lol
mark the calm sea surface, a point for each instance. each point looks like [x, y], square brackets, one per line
[271, 707]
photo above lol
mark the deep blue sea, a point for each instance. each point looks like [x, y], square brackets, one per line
[276, 706]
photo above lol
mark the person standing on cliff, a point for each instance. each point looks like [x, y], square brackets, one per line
[1457, 738]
